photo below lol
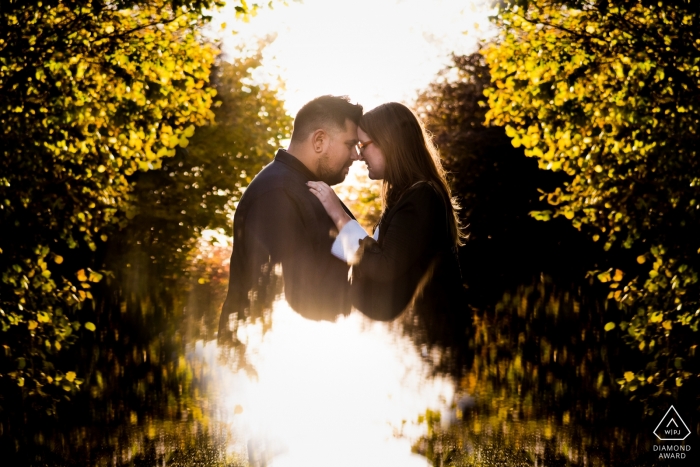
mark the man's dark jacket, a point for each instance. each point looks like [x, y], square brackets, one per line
[279, 222]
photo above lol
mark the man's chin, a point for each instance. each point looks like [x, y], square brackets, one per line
[335, 178]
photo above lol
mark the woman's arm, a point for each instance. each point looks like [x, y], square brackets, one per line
[330, 202]
[350, 232]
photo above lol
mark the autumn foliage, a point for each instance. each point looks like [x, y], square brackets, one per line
[607, 92]
[93, 92]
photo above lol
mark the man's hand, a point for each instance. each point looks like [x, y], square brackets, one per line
[330, 202]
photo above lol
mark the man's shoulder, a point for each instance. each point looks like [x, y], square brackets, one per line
[276, 181]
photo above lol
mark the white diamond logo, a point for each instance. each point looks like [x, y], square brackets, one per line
[672, 427]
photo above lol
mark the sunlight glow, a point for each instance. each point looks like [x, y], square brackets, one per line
[344, 394]
[374, 51]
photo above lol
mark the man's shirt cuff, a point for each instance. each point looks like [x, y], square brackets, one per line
[347, 242]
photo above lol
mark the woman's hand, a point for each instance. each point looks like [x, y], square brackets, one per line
[330, 202]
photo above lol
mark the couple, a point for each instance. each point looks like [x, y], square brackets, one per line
[289, 220]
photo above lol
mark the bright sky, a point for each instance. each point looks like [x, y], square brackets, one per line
[374, 51]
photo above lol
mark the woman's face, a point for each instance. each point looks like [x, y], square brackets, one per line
[372, 156]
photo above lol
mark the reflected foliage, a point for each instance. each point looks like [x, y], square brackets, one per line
[541, 388]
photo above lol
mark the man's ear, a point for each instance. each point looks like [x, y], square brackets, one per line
[319, 140]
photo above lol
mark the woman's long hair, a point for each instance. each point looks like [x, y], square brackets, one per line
[410, 157]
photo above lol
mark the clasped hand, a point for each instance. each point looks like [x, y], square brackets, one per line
[330, 202]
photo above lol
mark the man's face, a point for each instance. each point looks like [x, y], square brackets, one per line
[335, 162]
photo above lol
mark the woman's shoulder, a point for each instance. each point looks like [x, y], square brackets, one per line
[420, 198]
[422, 191]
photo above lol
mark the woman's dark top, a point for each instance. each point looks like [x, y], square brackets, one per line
[413, 259]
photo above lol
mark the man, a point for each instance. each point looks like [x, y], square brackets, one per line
[279, 222]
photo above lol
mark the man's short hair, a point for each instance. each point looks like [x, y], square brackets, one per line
[324, 112]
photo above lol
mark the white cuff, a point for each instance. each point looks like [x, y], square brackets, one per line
[347, 242]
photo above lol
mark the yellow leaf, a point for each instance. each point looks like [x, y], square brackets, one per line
[610, 326]
[90, 326]
[81, 275]
[641, 259]
[70, 376]
[629, 376]
[32, 324]
[618, 275]
[58, 259]
[95, 276]
[667, 324]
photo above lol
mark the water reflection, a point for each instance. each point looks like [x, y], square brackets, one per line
[540, 388]
[525, 379]
[343, 393]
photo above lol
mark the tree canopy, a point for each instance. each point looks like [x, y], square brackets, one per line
[94, 93]
[607, 92]
[497, 186]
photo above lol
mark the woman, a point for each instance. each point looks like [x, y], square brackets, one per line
[412, 254]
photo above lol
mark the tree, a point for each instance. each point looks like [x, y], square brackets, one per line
[93, 91]
[607, 92]
[163, 284]
[498, 186]
[199, 188]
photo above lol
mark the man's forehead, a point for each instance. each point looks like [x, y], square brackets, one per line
[347, 134]
[350, 128]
